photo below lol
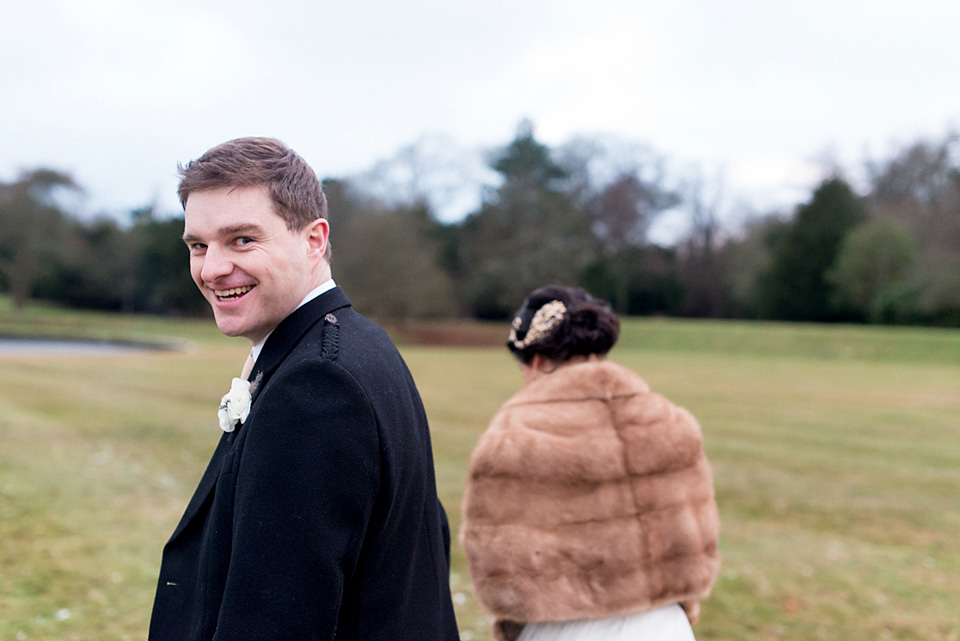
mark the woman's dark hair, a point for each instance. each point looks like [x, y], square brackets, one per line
[581, 326]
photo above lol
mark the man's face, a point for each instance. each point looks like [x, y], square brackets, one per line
[251, 269]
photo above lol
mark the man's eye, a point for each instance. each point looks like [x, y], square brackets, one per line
[243, 240]
[197, 248]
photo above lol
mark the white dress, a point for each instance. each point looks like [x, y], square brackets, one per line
[668, 623]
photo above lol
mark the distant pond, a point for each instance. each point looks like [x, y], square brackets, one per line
[13, 346]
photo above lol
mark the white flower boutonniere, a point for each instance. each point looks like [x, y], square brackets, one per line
[235, 405]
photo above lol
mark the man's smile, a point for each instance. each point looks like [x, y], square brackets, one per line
[232, 294]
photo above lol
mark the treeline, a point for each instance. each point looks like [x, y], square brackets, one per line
[577, 214]
[48, 253]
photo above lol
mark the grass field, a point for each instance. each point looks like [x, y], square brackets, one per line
[836, 455]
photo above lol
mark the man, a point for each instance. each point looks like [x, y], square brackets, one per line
[317, 517]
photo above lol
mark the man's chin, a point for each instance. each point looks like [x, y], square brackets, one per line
[228, 326]
[235, 330]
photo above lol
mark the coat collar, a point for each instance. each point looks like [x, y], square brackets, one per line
[290, 331]
[594, 379]
[280, 343]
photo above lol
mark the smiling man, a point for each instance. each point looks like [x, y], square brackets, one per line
[317, 516]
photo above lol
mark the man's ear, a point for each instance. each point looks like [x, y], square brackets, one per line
[317, 235]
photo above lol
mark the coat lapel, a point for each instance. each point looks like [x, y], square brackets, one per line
[281, 342]
[207, 483]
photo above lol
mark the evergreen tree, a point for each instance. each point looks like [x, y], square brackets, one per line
[528, 233]
[796, 285]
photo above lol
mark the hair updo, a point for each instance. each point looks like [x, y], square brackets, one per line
[559, 322]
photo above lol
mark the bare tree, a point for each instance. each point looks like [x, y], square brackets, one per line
[30, 223]
[434, 171]
[919, 187]
[703, 275]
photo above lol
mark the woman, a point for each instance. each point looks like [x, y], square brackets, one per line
[589, 510]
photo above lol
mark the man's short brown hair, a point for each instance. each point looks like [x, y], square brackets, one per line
[250, 162]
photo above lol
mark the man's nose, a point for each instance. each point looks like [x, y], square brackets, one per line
[216, 264]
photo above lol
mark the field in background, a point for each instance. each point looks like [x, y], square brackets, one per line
[836, 455]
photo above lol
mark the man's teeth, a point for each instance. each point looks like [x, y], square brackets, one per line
[236, 292]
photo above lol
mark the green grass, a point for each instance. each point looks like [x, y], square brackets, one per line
[805, 341]
[836, 455]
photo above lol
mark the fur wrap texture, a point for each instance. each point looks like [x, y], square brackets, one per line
[589, 496]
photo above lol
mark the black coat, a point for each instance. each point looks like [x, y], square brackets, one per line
[318, 518]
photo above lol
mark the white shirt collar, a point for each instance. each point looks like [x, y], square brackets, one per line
[313, 293]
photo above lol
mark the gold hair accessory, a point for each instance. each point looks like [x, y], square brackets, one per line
[544, 322]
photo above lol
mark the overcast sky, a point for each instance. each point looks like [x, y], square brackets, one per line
[117, 92]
